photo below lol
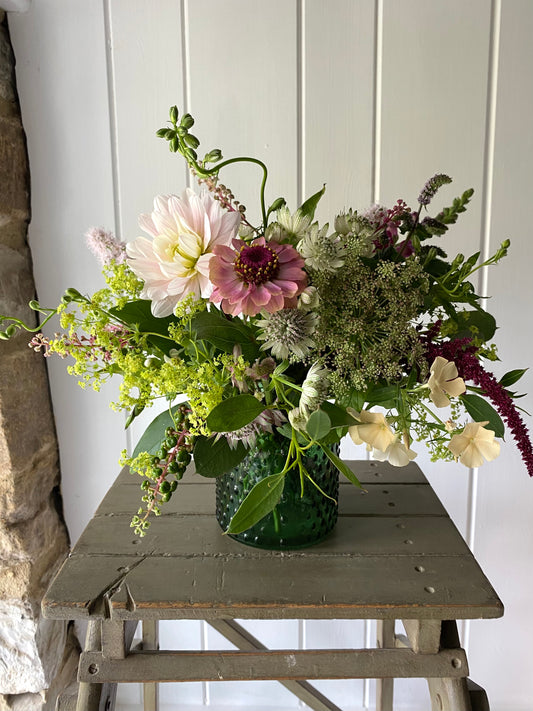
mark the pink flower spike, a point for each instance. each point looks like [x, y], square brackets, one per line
[254, 277]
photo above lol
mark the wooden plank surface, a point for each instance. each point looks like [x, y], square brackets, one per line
[382, 561]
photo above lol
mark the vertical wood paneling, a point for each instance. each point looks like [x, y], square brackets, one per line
[61, 74]
[501, 653]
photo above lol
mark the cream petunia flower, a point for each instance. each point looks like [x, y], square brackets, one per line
[396, 454]
[374, 430]
[474, 445]
[444, 379]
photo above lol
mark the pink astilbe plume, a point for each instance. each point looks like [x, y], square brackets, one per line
[105, 246]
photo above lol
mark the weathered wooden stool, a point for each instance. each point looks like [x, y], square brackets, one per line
[395, 555]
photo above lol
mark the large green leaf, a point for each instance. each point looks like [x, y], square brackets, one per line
[139, 314]
[341, 466]
[234, 413]
[338, 415]
[155, 433]
[261, 500]
[214, 457]
[474, 324]
[480, 411]
[225, 333]
[318, 425]
[512, 377]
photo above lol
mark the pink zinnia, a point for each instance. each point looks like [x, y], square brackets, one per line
[254, 277]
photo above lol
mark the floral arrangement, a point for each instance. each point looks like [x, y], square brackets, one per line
[310, 331]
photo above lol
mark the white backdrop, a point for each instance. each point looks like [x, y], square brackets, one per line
[371, 97]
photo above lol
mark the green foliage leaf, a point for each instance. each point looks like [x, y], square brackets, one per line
[310, 205]
[512, 377]
[139, 314]
[214, 457]
[341, 466]
[261, 500]
[234, 413]
[225, 333]
[480, 411]
[338, 415]
[155, 432]
[384, 395]
[318, 425]
[475, 324]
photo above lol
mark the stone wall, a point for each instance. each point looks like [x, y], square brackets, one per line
[35, 654]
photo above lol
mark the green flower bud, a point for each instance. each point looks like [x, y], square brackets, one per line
[173, 113]
[191, 140]
[11, 330]
[187, 121]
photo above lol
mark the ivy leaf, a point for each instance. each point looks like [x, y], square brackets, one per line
[234, 413]
[512, 377]
[310, 205]
[341, 466]
[318, 425]
[214, 457]
[480, 411]
[261, 500]
[155, 432]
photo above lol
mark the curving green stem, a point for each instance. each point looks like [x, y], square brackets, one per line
[242, 159]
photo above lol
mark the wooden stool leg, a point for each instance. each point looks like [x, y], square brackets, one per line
[150, 642]
[449, 694]
[385, 687]
[95, 697]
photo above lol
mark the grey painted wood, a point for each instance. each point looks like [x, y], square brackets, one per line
[385, 687]
[273, 664]
[383, 561]
[243, 640]
[424, 635]
[150, 642]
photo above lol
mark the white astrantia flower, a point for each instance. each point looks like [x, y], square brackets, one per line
[373, 430]
[396, 454]
[287, 333]
[298, 419]
[474, 445]
[175, 262]
[291, 227]
[444, 381]
[322, 252]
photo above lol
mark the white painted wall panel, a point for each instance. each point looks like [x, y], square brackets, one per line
[293, 83]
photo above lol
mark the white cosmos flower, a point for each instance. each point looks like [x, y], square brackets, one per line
[444, 379]
[396, 454]
[474, 445]
[175, 262]
[374, 430]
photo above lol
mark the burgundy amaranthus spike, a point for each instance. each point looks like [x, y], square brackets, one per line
[462, 352]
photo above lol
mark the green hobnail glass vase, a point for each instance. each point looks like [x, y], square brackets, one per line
[297, 521]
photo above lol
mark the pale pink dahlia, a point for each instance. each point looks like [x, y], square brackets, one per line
[250, 278]
[175, 262]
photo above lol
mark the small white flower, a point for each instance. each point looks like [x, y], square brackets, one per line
[298, 419]
[321, 252]
[444, 379]
[474, 445]
[288, 332]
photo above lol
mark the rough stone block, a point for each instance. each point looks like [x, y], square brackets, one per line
[25, 540]
[28, 648]
[7, 65]
[14, 177]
